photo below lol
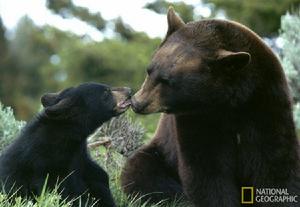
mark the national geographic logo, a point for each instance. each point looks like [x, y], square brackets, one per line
[247, 195]
[251, 195]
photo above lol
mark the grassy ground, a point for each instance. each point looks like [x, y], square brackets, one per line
[112, 162]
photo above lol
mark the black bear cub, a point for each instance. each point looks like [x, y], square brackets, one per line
[54, 145]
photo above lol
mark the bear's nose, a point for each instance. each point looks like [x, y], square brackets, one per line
[138, 107]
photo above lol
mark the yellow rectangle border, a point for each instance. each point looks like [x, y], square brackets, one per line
[242, 195]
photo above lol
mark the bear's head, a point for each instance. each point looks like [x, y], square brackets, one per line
[88, 105]
[198, 66]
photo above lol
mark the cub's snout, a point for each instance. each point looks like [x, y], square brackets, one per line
[122, 96]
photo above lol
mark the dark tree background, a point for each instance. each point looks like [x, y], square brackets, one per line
[39, 59]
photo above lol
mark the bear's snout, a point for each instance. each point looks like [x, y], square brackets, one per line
[137, 107]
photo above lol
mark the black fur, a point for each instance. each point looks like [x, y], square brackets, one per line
[54, 144]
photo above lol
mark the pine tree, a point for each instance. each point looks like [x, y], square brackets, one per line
[9, 126]
[290, 30]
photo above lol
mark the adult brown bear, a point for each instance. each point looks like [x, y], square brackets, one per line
[227, 119]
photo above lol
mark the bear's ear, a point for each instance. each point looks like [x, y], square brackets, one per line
[60, 110]
[49, 99]
[233, 60]
[174, 21]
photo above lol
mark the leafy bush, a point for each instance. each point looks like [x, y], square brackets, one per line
[290, 30]
[120, 133]
[9, 126]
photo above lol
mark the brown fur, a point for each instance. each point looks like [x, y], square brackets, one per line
[229, 120]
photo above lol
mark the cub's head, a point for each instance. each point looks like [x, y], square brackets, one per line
[87, 105]
[198, 65]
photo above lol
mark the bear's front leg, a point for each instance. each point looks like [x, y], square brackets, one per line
[97, 182]
[147, 175]
[206, 187]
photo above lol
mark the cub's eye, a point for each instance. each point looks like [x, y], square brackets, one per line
[106, 93]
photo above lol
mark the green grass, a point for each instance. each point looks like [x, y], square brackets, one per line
[47, 199]
[148, 121]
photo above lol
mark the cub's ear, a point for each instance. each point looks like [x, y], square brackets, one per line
[49, 99]
[233, 60]
[60, 110]
[174, 21]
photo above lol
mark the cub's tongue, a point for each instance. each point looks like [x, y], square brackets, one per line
[124, 104]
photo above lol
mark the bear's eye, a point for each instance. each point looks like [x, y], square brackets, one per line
[164, 80]
[149, 70]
